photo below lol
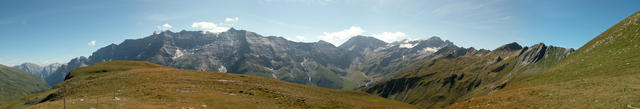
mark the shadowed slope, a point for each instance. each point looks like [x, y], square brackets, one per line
[452, 78]
[15, 83]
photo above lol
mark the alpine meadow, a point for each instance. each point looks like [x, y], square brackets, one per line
[319, 54]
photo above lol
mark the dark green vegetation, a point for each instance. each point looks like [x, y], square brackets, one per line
[604, 73]
[448, 79]
[15, 83]
[136, 85]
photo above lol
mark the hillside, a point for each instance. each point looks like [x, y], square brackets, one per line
[448, 79]
[604, 73]
[134, 85]
[15, 83]
[359, 61]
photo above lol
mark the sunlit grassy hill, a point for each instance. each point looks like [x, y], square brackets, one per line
[135, 85]
[604, 73]
[449, 79]
[15, 83]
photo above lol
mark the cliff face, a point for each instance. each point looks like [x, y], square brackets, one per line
[359, 61]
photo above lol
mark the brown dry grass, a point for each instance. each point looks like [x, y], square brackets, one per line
[152, 86]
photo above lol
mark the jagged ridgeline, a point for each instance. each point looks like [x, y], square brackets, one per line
[143, 85]
[15, 83]
[357, 62]
[452, 78]
[604, 73]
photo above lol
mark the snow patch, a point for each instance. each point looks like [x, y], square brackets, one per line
[177, 54]
[222, 69]
[431, 49]
[303, 61]
[274, 76]
[273, 73]
[407, 45]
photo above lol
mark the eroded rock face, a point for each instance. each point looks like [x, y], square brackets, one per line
[62, 71]
[239, 51]
[42, 71]
[509, 47]
[533, 54]
[457, 77]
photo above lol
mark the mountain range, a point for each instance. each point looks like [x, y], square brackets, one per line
[359, 61]
[15, 83]
[35, 69]
[601, 74]
[604, 73]
[144, 85]
[429, 73]
[449, 79]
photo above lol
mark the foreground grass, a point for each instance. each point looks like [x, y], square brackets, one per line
[128, 84]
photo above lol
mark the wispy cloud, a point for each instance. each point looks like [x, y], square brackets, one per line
[235, 19]
[165, 27]
[311, 2]
[457, 7]
[162, 17]
[390, 36]
[338, 37]
[506, 18]
[92, 43]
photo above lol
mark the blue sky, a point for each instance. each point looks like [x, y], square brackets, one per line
[47, 31]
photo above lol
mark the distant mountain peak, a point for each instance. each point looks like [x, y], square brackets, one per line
[360, 43]
[434, 38]
[509, 47]
[322, 42]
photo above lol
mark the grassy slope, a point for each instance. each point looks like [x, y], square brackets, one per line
[445, 80]
[146, 85]
[15, 83]
[604, 73]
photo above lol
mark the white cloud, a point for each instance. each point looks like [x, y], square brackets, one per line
[165, 27]
[390, 36]
[235, 19]
[92, 43]
[208, 26]
[300, 37]
[338, 37]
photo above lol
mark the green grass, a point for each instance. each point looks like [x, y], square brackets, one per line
[15, 83]
[448, 79]
[604, 73]
[146, 85]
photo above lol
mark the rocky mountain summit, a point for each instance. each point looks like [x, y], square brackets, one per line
[35, 69]
[360, 60]
[453, 78]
